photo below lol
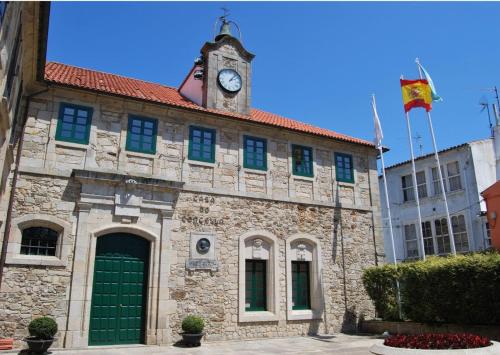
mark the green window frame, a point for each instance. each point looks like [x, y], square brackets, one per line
[302, 160]
[254, 153]
[344, 167]
[255, 285]
[201, 144]
[301, 287]
[141, 134]
[74, 123]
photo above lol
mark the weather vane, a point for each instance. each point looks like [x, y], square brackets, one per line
[226, 13]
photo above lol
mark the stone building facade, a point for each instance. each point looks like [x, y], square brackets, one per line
[143, 237]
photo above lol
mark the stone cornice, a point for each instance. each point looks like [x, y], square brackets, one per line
[211, 46]
[117, 178]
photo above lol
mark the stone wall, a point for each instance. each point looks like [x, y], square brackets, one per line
[346, 244]
[106, 151]
[32, 291]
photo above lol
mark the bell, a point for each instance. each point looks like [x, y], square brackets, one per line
[225, 30]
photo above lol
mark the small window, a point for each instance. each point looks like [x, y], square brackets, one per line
[39, 241]
[435, 181]
[343, 167]
[13, 66]
[202, 144]
[454, 176]
[74, 124]
[460, 233]
[442, 236]
[421, 185]
[255, 153]
[411, 241]
[301, 294]
[428, 239]
[407, 184]
[255, 285]
[302, 160]
[141, 135]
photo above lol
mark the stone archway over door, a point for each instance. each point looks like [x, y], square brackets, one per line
[119, 293]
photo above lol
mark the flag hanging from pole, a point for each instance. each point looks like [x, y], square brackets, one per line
[379, 135]
[435, 96]
[416, 93]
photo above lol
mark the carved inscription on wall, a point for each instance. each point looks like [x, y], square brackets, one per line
[200, 213]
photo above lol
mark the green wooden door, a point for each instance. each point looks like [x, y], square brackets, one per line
[117, 314]
[301, 296]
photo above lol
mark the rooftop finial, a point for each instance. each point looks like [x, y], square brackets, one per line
[225, 28]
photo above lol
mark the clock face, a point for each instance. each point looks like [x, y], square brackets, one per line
[229, 80]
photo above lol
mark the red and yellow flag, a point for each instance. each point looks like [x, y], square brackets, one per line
[416, 93]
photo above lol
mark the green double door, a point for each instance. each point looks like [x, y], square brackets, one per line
[118, 310]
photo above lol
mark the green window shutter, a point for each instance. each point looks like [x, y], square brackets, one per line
[141, 134]
[255, 285]
[254, 153]
[74, 123]
[301, 294]
[201, 144]
[344, 168]
[302, 161]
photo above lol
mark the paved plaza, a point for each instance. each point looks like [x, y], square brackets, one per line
[340, 344]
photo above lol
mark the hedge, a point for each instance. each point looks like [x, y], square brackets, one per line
[463, 289]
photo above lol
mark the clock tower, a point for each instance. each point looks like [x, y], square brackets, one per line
[226, 72]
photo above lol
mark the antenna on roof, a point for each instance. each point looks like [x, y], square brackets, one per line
[418, 138]
[483, 102]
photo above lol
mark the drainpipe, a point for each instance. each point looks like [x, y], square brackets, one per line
[8, 219]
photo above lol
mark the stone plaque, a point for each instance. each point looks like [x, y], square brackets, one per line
[202, 264]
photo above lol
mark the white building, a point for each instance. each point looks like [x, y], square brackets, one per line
[467, 169]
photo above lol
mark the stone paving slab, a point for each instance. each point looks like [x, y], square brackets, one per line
[339, 344]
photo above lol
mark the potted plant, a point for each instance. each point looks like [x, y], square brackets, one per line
[42, 331]
[192, 327]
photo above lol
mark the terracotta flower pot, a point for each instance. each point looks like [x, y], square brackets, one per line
[38, 346]
[6, 343]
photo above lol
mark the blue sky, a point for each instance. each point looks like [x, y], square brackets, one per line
[315, 62]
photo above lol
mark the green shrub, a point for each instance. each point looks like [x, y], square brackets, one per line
[43, 328]
[193, 325]
[380, 284]
[461, 289]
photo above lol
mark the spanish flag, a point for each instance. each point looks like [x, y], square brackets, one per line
[416, 93]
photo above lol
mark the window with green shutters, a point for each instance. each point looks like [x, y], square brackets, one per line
[141, 134]
[343, 167]
[302, 160]
[74, 123]
[255, 285]
[301, 296]
[255, 153]
[201, 144]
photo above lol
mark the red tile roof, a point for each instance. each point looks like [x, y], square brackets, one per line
[67, 75]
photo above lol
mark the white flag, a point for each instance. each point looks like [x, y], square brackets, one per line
[378, 129]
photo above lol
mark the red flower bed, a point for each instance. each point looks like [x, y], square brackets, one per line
[437, 341]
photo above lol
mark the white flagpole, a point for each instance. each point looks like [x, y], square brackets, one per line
[379, 146]
[415, 189]
[441, 180]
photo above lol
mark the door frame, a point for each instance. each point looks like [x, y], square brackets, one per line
[147, 244]
[83, 281]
